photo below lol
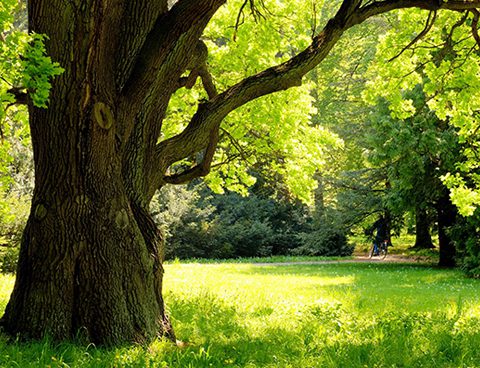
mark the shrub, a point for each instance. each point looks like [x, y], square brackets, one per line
[466, 235]
[326, 241]
[201, 224]
[9, 260]
[248, 238]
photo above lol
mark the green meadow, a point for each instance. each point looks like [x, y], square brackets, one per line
[369, 314]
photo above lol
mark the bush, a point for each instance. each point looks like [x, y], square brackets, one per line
[201, 224]
[466, 235]
[9, 260]
[326, 241]
[248, 238]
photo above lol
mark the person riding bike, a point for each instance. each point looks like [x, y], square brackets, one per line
[381, 228]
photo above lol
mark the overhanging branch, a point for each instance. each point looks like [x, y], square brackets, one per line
[21, 97]
[284, 76]
[381, 7]
[201, 169]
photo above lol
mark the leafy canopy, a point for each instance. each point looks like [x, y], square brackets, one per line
[446, 62]
[277, 129]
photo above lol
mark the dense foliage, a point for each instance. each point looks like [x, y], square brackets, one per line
[441, 66]
[201, 224]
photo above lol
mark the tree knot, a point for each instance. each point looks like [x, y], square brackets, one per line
[40, 212]
[103, 115]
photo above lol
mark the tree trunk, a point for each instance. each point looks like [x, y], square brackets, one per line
[447, 213]
[90, 260]
[423, 239]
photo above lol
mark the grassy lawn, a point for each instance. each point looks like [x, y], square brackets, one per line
[327, 315]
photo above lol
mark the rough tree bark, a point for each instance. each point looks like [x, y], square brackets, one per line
[91, 256]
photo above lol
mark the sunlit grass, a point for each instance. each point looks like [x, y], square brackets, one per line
[323, 315]
[249, 260]
[6, 286]
[361, 287]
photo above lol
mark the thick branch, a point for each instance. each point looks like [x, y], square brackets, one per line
[283, 76]
[137, 20]
[161, 41]
[381, 7]
[21, 97]
[208, 84]
[202, 169]
[162, 59]
[211, 113]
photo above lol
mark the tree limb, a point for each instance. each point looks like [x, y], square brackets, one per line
[428, 26]
[21, 97]
[202, 169]
[381, 7]
[280, 77]
[286, 75]
[476, 16]
[163, 58]
[163, 39]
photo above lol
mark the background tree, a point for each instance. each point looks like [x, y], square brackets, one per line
[415, 152]
[444, 59]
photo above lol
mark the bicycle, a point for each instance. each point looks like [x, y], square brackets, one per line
[381, 250]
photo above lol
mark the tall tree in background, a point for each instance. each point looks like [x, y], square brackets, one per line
[91, 255]
[415, 152]
[445, 67]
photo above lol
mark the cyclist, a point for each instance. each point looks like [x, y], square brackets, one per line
[381, 228]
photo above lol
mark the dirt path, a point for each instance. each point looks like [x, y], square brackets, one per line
[391, 258]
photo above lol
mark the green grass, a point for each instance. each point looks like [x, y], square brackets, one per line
[271, 259]
[327, 315]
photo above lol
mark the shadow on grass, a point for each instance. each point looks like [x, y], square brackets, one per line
[319, 335]
[218, 334]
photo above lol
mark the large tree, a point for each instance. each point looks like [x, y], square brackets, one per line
[91, 255]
